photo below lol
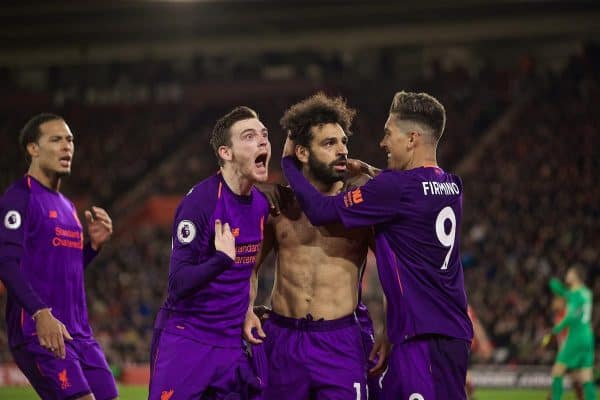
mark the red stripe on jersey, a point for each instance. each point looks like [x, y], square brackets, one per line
[262, 227]
[398, 275]
[154, 362]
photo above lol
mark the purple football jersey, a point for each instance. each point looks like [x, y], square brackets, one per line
[417, 215]
[41, 230]
[214, 313]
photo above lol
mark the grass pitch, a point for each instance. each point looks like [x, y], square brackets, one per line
[141, 393]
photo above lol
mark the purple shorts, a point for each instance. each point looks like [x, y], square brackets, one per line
[182, 368]
[373, 382]
[83, 371]
[313, 359]
[430, 367]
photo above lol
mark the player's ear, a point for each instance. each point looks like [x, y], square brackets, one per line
[33, 149]
[225, 153]
[302, 153]
[413, 137]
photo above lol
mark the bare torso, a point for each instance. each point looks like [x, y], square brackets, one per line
[317, 268]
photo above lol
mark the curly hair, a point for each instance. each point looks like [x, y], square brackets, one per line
[316, 110]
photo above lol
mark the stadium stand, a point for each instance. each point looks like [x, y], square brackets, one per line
[531, 202]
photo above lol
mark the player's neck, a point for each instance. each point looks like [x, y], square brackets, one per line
[237, 183]
[47, 179]
[427, 159]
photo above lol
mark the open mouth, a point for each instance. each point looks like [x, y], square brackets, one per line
[341, 165]
[261, 161]
[65, 161]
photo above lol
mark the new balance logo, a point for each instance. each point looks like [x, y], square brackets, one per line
[353, 197]
[357, 196]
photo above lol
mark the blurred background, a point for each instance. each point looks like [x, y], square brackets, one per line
[141, 84]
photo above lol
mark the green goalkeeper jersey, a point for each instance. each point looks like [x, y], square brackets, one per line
[578, 318]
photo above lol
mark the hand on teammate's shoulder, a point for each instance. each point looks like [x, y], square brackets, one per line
[355, 181]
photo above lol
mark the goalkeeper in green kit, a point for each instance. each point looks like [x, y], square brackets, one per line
[577, 352]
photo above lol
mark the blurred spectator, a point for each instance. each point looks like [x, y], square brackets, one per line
[531, 206]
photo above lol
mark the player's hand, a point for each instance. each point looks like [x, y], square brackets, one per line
[224, 239]
[547, 339]
[357, 167]
[381, 351]
[51, 333]
[289, 147]
[253, 322]
[99, 225]
[273, 194]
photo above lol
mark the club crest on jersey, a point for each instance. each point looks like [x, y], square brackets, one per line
[12, 219]
[186, 231]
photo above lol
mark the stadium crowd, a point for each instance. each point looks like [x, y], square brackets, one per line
[531, 205]
[531, 211]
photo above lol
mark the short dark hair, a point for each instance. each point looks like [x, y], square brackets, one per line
[31, 131]
[221, 135]
[318, 109]
[422, 108]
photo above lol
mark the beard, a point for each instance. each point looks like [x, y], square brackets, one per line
[325, 172]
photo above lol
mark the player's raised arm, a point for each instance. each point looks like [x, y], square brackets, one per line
[557, 287]
[367, 205]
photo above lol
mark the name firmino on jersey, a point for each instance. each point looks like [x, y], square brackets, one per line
[440, 188]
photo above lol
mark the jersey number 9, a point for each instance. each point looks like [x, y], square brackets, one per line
[446, 239]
